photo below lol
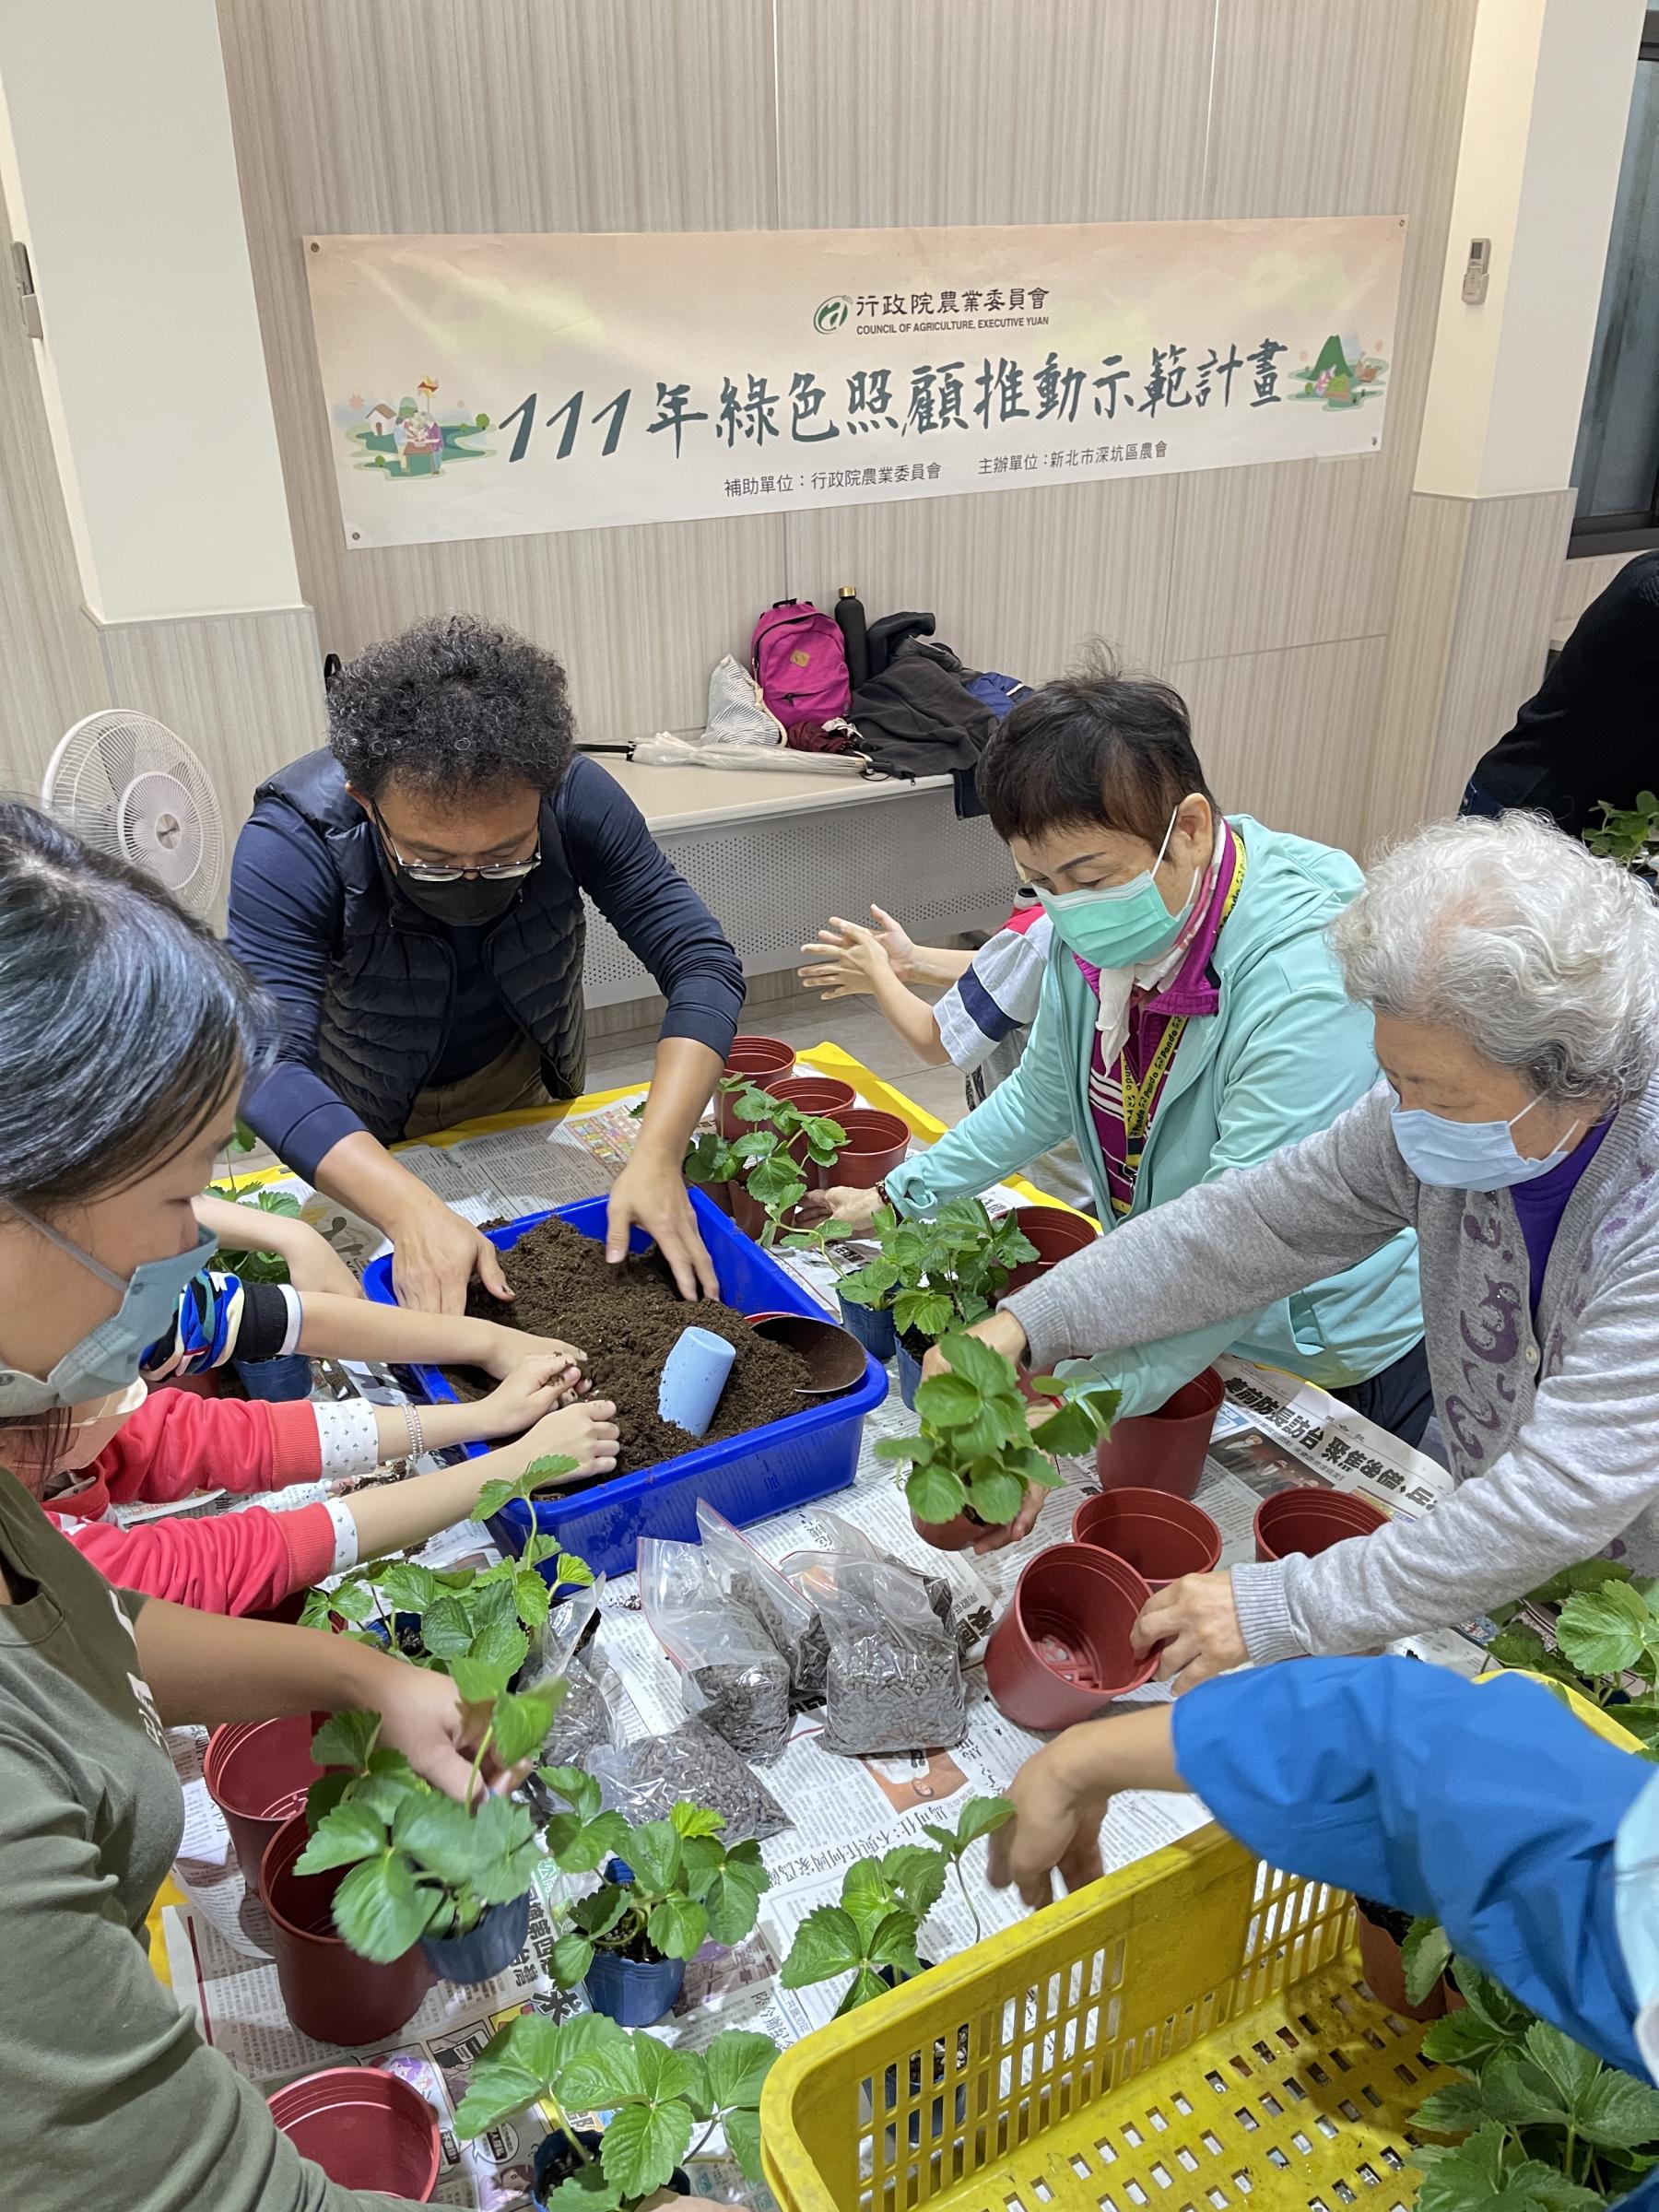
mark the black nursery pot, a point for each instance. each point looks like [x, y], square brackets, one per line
[555, 2161]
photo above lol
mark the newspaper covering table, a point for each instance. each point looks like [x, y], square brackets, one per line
[1272, 1430]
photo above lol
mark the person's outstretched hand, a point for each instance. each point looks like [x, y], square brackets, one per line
[651, 1194]
[844, 960]
[435, 1254]
[537, 1385]
[1061, 1795]
[423, 1717]
[1196, 1620]
[855, 1208]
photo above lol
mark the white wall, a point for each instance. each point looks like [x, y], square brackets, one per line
[118, 166]
[1544, 128]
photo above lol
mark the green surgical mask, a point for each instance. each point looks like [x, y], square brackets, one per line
[1121, 924]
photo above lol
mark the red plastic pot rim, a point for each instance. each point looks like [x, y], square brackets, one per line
[759, 1055]
[1152, 1509]
[1085, 1564]
[813, 1094]
[870, 1129]
[1052, 1226]
[238, 1783]
[325, 2112]
[1198, 1400]
[280, 1853]
[1337, 1505]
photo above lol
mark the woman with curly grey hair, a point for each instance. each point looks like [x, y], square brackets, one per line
[1514, 982]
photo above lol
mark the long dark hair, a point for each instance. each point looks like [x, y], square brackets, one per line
[122, 1021]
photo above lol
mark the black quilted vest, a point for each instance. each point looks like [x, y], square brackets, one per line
[387, 1003]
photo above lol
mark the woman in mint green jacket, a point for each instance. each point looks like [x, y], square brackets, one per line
[1192, 1021]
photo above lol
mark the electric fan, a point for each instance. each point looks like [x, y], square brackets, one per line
[124, 784]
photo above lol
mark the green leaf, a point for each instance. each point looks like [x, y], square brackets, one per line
[1491, 2001]
[736, 2065]
[589, 2189]
[1464, 2179]
[352, 1600]
[442, 1836]
[946, 1401]
[894, 1944]
[478, 1682]
[980, 1815]
[531, 1597]
[924, 1313]
[733, 1902]
[696, 1820]
[996, 1496]
[653, 1853]
[576, 1786]
[1522, 1647]
[572, 1956]
[521, 1724]
[1464, 2039]
[1618, 2112]
[380, 1909]
[1424, 1955]
[1453, 2111]
[1602, 1632]
[597, 1913]
[666, 2073]
[1072, 1428]
[917, 1874]
[444, 1628]
[346, 1739]
[742, 2140]
[1569, 2069]
[644, 2143]
[677, 1929]
[934, 1494]
[407, 1586]
[866, 1892]
[827, 1942]
[349, 1834]
[584, 1846]
[500, 1645]
[573, 1571]
[324, 1794]
[518, 2065]
[866, 1985]
[597, 2065]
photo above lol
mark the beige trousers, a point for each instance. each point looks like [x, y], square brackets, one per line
[513, 1080]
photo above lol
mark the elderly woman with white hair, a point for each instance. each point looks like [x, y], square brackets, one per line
[1514, 982]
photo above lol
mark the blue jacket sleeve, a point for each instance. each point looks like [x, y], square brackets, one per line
[651, 906]
[1493, 1809]
[284, 920]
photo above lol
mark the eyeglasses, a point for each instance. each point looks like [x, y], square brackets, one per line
[426, 871]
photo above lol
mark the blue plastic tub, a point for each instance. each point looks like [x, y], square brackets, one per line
[748, 1477]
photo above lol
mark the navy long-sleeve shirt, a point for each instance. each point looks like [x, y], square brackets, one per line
[285, 912]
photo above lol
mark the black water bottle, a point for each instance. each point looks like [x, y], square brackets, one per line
[850, 616]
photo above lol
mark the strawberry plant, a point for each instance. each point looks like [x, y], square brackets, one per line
[669, 1885]
[657, 2099]
[1628, 834]
[975, 1450]
[942, 1273]
[873, 1932]
[485, 1613]
[253, 1264]
[1546, 2126]
[766, 1154]
[422, 1865]
[1607, 1638]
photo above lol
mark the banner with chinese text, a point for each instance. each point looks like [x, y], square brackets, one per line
[480, 387]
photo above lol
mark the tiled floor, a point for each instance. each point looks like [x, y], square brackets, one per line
[854, 1025]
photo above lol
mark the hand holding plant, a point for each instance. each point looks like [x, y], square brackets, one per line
[939, 1275]
[978, 1448]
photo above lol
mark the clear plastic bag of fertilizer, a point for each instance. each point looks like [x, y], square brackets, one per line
[787, 1615]
[646, 1780]
[893, 1681]
[734, 1678]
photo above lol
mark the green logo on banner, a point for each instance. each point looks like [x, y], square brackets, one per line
[833, 313]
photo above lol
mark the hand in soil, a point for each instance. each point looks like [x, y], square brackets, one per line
[586, 1433]
[652, 1195]
[509, 1345]
[435, 1254]
[1196, 1620]
[631, 1317]
[536, 1385]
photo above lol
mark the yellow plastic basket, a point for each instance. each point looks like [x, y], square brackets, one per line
[1186, 2036]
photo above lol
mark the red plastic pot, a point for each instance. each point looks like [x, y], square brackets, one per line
[758, 1058]
[257, 1773]
[366, 2128]
[1062, 1650]
[1385, 1975]
[1163, 1451]
[949, 1536]
[330, 1992]
[1311, 1521]
[1162, 1538]
[814, 1094]
[877, 1144]
[1056, 1235]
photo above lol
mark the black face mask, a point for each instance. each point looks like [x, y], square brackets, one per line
[467, 903]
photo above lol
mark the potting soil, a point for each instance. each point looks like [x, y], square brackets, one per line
[628, 1319]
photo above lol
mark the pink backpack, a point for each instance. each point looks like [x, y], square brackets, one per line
[800, 662]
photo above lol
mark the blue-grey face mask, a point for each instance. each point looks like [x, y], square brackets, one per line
[1470, 1156]
[107, 1359]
